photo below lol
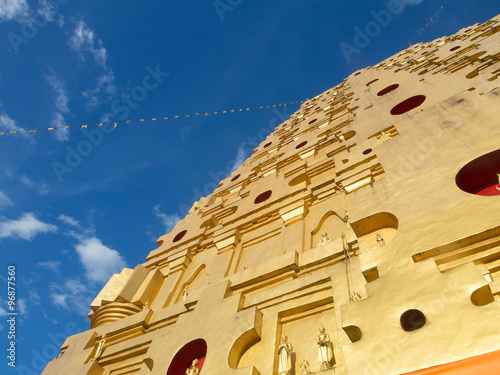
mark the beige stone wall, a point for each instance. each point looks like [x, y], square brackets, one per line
[347, 231]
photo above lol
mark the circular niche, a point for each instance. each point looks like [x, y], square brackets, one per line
[369, 83]
[413, 319]
[300, 145]
[358, 73]
[313, 121]
[263, 197]
[179, 236]
[480, 176]
[454, 48]
[388, 89]
[367, 151]
[268, 144]
[408, 105]
[196, 349]
[235, 177]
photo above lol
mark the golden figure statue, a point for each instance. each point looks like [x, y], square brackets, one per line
[193, 369]
[185, 293]
[284, 355]
[380, 240]
[304, 367]
[98, 350]
[324, 239]
[325, 352]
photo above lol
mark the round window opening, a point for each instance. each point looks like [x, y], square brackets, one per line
[388, 89]
[412, 320]
[481, 175]
[454, 48]
[367, 151]
[408, 105]
[179, 236]
[313, 120]
[300, 145]
[263, 197]
[369, 83]
[268, 144]
[190, 357]
[235, 177]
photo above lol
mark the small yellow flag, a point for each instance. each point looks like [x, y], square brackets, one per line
[50, 129]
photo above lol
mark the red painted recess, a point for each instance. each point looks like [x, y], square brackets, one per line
[301, 145]
[196, 349]
[480, 176]
[263, 197]
[358, 73]
[179, 236]
[235, 177]
[455, 48]
[369, 83]
[408, 105]
[313, 121]
[367, 151]
[268, 144]
[388, 89]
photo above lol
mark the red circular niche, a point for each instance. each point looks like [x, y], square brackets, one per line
[179, 236]
[369, 83]
[480, 176]
[455, 48]
[367, 151]
[358, 73]
[268, 144]
[412, 320]
[388, 89]
[196, 349]
[408, 105]
[263, 197]
[302, 144]
[313, 120]
[235, 177]
[425, 52]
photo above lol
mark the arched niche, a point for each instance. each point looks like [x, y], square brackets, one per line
[195, 280]
[243, 351]
[376, 230]
[196, 349]
[332, 224]
[482, 296]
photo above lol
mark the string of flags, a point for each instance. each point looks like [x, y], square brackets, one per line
[436, 15]
[139, 120]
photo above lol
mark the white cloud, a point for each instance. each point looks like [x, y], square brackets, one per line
[47, 10]
[71, 295]
[41, 188]
[58, 122]
[26, 227]
[22, 306]
[69, 220]
[8, 124]
[240, 158]
[58, 85]
[4, 201]
[34, 297]
[100, 261]
[10, 9]
[83, 40]
[104, 86]
[49, 265]
[405, 3]
[168, 220]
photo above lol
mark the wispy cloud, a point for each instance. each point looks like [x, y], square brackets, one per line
[100, 262]
[40, 187]
[58, 122]
[27, 227]
[12, 9]
[50, 265]
[69, 220]
[71, 295]
[8, 124]
[405, 3]
[241, 156]
[86, 44]
[58, 86]
[168, 221]
[22, 306]
[4, 201]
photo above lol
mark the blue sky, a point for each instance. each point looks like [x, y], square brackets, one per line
[78, 205]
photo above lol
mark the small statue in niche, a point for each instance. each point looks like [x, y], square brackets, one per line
[98, 349]
[355, 296]
[145, 306]
[185, 293]
[193, 369]
[284, 356]
[325, 352]
[304, 368]
[346, 219]
[324, 239]
[380, 240]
